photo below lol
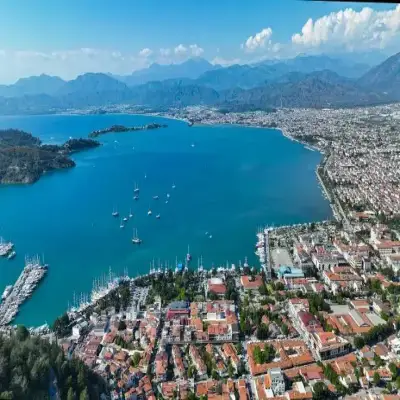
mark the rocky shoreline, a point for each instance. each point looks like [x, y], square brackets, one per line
[24, 159]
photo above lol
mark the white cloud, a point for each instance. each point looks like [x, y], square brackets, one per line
[191, 50]
[225, 62]
[351, 30]
[146, 52]
[68, 64]
[258, 40]
[165, 52]
[180, 49]
[196, 50]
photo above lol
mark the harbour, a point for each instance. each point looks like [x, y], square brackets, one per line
[17, 294]
[232, 181]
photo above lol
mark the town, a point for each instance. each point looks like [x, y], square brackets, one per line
[319, 319]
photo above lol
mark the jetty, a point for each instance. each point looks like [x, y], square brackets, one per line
[5, 247]
[23, 288]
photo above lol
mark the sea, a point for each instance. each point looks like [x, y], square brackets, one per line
[229, 181]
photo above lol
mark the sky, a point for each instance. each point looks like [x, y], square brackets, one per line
[68, 38]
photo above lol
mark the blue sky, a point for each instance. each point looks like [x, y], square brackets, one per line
[67, 38]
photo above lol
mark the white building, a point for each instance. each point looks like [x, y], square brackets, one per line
[277, 381]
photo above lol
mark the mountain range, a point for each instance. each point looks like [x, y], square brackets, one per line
[305, 81]
[190, 69]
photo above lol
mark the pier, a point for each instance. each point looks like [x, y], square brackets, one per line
[26, 283]
[5, 248]
[262, 251]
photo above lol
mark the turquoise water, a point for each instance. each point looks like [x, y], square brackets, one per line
[234, 180]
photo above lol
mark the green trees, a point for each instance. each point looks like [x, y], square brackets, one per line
[70, 394]
[262, 332]
[29, 365]
[321, 391]
[84, 395]
[22, 333]
[191, 371]
[359, 342]
[376, 378]
[136, 359]
[231, 370]
[317, 303]
[264, 356]
[394, 370]
[285, 329]
[398, 382]
[61, 326]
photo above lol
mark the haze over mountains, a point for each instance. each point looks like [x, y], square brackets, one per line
[305, 81]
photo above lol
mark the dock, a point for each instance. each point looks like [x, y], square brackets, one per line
[23, 288]
[262, 251]
[5, 247]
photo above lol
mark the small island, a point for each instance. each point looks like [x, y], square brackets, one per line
[121, 128]
[24, 159]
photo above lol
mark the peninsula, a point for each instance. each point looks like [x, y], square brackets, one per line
[121, 128]
[24, 159]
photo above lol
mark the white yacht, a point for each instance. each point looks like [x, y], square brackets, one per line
[135, 238]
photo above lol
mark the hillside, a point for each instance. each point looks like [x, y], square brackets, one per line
[34, 85]
[32, 368]
[24, 159]
[313, 90]
[384, 77]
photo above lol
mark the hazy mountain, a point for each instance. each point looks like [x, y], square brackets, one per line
[313, 90]
[240, 87]
[384, 77]
[92, 89]
[255, 75]
[42, 84]
[242, 76]
[308, 64]
[191, 68]
[173, 93]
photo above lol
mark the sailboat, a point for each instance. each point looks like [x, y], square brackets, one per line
[122, 225]
[130, 213]
[136, 190]
[149, 212]
[158, 216]
[115, 212]
[135, 238]
[125, 219]
[173, 186]
[135, 197]
[188, 255]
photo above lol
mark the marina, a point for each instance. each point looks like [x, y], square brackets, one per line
[6, 248]
[23, 288]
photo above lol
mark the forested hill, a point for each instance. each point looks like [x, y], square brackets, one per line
[23, 158]
[32, 368]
